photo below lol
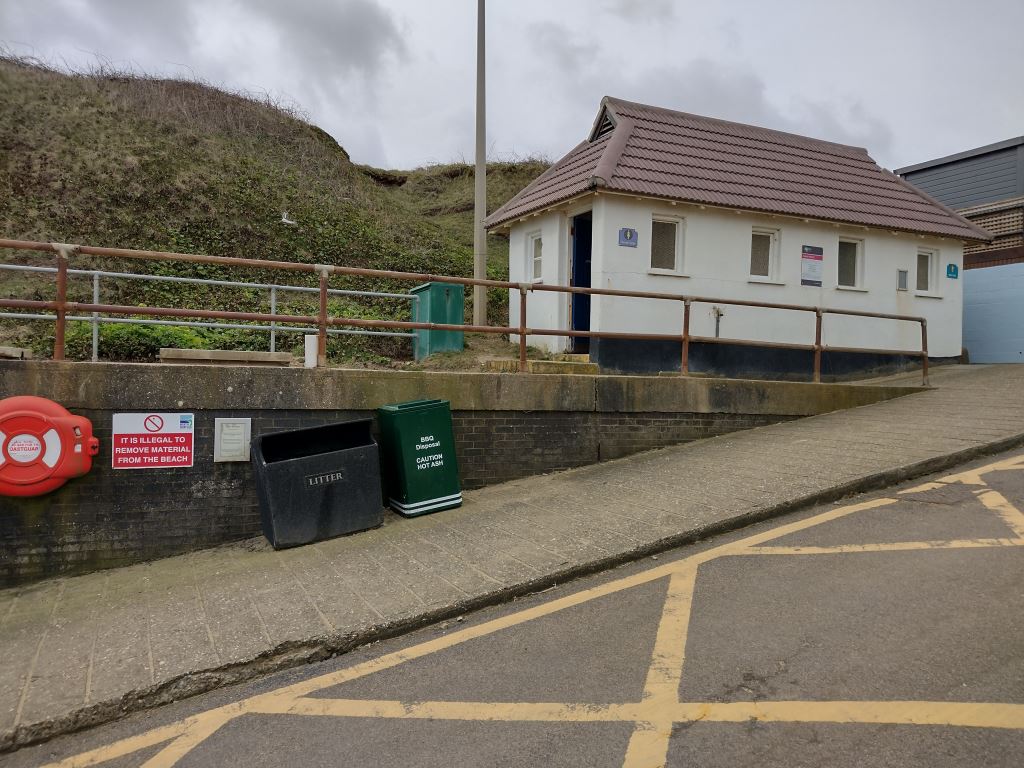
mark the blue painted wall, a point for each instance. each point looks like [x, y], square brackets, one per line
[994, 314]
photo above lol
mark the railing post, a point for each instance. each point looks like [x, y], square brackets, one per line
[685, 365]
[924, 352]
[62, 299]
[95, 318]
[321, 349]
[522, 328]
[817, 346]
[273, 324]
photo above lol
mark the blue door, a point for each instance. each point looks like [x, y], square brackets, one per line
[582, 236]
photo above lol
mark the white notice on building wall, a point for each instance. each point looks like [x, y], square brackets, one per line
[812, 265]
[152, 440]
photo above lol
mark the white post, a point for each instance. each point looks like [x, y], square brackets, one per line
[95, 318]
[480, 206]
[273, 325]
[311, 349]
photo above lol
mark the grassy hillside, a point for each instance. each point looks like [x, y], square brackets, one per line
[157, 164]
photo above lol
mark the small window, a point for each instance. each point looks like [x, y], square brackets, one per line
[850, 263]
[666, 244]
[536, 256]
[763, 247]
[902, 280]
[925, 260]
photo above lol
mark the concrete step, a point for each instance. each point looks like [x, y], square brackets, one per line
[573, 358]
[542, 366]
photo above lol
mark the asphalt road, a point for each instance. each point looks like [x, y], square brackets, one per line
[885, 630]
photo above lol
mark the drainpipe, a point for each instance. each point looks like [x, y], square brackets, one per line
[717, 312]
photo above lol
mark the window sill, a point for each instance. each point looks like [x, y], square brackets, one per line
[853, 288]
[667, 272]
[764, 281]
[537, 281]
[927, 295]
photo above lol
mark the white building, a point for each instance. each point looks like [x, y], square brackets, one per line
[663, 201]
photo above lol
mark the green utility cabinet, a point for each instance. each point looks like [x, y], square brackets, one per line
[417, 447]
[437, 303]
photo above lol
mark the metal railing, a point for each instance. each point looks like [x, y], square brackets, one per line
[323, 322]
[272, 291]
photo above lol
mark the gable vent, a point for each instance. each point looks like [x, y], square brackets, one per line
[604, 126]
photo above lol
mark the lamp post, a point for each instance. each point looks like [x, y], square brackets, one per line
[480, 196]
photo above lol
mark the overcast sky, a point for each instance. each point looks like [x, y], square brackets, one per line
[393, 80]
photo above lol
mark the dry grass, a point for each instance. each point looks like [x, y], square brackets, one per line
[110, 157]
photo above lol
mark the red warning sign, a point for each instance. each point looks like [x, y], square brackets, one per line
[152, 440]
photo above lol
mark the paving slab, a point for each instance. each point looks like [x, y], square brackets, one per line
[82, 650]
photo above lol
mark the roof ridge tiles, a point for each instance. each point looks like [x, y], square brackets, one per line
[616, 102]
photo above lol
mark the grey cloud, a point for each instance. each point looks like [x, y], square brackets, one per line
[334, 38]
[713, 89]
[323, 38]
[109, 30]
[641, 11]
[554, 41]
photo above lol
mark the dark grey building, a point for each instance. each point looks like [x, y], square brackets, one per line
[983, 175]
[986, 186]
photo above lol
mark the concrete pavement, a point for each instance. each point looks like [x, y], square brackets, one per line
[84, 650]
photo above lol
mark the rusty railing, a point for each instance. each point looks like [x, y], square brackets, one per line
[61, 306]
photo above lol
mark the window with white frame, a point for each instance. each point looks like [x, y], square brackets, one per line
[535, 256]
[667, 244]
[851, 263]
[764, 249]
[926, 271]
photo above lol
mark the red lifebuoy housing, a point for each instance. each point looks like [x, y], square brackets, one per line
[42, 446]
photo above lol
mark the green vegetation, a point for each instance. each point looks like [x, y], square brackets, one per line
[137, 162]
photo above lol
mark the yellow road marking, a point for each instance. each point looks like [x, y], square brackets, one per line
[649, 743]
[966, 714]
[921, 488]
[963, 714]
[659, 709]
[893, 546]
[127, 746]
[974, 476]
[184, 744]
[999, 504]
[485, 711]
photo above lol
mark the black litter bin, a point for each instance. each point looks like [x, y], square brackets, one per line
[317, 483]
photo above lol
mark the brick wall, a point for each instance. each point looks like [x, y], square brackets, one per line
[110, 518]
[497, 446]
[506, 427]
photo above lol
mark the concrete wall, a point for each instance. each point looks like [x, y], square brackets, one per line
[716, 263]
[994, 314]
[506, 426]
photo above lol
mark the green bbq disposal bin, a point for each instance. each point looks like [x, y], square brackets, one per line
[417, 449]
[437, 303]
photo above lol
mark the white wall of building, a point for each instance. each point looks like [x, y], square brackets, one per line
[716, 264]
[545, 309]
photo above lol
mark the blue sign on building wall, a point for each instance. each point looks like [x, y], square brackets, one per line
[952, 271]
[627, 237]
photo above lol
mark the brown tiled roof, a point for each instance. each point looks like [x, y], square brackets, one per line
[655, 152]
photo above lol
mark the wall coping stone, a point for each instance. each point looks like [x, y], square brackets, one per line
[145, 386]
[224, 356]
